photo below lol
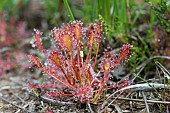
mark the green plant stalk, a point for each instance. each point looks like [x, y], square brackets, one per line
[124, 15]
[69, 10]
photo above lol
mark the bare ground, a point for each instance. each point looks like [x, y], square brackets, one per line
[16, 98]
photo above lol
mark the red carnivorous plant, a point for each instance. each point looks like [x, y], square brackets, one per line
[79, 75]
[11, 44]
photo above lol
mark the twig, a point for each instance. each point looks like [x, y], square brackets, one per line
[167, 110]
[105, 102]
[141, 100]
[146, 104]
[131, 106]
[5, 100]
[54, 102]
[22, 100]
[23, 107]
[9, 87]
[90, 107]
[144, 87]
[117, 108]
[137, 87]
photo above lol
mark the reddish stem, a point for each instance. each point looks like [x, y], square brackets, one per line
[95, 61]
[102, 84]
[58, 79]
[89, 55]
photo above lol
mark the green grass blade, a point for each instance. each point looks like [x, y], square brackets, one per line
[69, 10]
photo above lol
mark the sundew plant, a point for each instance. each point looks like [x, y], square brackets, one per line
[76, 75]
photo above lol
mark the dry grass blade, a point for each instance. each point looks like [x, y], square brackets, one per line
[164, 70]
[141, 66]
[150, 59]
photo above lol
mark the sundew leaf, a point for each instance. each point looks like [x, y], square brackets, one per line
[35, 60]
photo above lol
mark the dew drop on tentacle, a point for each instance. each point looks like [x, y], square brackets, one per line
[46, 64]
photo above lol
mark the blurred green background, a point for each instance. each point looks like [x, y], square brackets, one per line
[143, 23]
